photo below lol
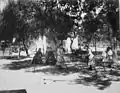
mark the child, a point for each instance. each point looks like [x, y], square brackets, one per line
[91, 59]
[109, 55]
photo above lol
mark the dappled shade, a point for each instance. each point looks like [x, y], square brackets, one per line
[101, 80]
[14, 91]
[18, 65]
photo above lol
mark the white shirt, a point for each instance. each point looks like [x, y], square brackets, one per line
[90, 53]
[104, 54]
[110, 53]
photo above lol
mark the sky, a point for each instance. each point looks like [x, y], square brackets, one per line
[2, 4]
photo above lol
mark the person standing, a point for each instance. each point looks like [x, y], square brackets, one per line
[60, 56]
[104, 59]
[91, 61]
[109, 56]
[10, 51]
[3, 47]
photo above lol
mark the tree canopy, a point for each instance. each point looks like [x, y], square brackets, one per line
[29, 19]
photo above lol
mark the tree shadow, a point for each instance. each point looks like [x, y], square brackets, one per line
[18, 65]
[13, 57]
[94, 80]
[14, 91]
[53, 70]
[101, 80]
[115, 73]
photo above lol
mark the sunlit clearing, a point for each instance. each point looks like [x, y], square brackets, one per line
[41, 43]
[75, 43]
[68, 43]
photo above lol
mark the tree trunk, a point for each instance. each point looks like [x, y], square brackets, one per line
[71, 44]
[19, 51]
[115, 48]
[42, 44]
[95, 47]
[26, 50]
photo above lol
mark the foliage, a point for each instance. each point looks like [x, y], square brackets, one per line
[112, 14]
[30, 19]
[8, 22]
[51, 17]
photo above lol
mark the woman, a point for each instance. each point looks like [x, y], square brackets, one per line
[38, 57]
[91, 62]
[60, 57]
[50, 58]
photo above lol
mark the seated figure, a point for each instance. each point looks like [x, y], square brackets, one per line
[50, 58]
[37, 59]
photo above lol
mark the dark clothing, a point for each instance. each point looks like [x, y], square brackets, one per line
[3, 47]
[37, 59]
[50, 58]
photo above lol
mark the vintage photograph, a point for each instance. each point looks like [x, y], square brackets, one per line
[59, 46]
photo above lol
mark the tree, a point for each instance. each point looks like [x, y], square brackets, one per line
[113, 16]
[9, 22]
[16, 18]
[63, 18]
[56, 20]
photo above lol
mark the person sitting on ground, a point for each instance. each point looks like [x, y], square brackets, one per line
[37, 59]
[50, 58]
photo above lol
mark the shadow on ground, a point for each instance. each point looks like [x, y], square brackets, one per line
[94, 80]
[13, 57]
[14, 91]
[100, 80]
[17, 65]
[52, 70]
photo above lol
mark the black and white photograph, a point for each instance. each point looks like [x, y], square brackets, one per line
[59, 46]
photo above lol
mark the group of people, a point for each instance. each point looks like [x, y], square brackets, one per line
[58, 59]
[107, 56]
[51, 58]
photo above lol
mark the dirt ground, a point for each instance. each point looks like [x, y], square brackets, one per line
[18, 74]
